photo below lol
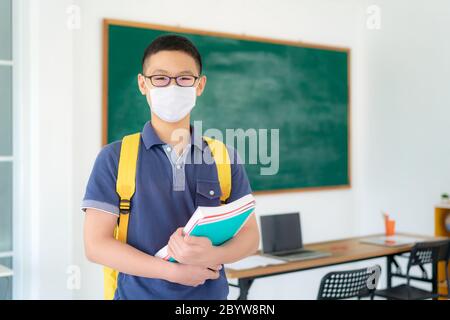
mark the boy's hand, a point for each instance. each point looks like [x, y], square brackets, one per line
[193, 276]
[197, 251]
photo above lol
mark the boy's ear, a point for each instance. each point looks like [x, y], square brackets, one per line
[141, 84]
[201, 85]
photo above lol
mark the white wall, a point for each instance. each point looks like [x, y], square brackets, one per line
[406, 157]
[63, 109]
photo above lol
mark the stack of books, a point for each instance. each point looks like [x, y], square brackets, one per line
[218, 224]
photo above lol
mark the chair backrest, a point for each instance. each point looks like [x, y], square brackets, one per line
[428, 252]
[425, 253]
[349, 284]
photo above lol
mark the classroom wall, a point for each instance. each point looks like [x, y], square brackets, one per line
[405, 157]
[62, 105]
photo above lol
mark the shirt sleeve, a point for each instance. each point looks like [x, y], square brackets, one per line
[240, 186]
[101, 187]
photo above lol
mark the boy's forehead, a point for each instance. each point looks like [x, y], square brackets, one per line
[170, 62]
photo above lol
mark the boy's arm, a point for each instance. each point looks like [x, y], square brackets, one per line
[101, 247]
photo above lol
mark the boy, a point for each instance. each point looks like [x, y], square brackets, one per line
[170, 184]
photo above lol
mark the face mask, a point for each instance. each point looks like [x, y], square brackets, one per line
[172, 103]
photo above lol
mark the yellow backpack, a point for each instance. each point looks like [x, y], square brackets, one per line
[125, 188]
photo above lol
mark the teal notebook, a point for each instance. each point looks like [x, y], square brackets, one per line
[218, 224]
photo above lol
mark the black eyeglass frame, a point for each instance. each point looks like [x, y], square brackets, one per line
[170, 79]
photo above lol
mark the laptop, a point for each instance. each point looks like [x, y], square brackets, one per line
[282, 238]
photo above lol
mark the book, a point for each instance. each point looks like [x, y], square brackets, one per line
[218, 224]
[254, 261]
[391, 241]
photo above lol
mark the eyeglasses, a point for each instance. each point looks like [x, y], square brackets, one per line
[164, 81]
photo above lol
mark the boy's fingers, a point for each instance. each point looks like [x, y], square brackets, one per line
[175, 246]
[170, 251]
[216, 267]
[177, 241]
[196, 240]
[177, 233]
[213, 274]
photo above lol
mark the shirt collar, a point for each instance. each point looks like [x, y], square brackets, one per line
[150, 137]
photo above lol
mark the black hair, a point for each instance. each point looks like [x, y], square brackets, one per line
[175, 43]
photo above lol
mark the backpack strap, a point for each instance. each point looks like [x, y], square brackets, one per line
[125, 187]
[126, 181]
[221, 157]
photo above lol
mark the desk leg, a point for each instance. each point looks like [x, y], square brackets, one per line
[244, 286]
[389, 271]
[434, 279]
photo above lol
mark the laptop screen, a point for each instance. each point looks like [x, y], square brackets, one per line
[281, 232]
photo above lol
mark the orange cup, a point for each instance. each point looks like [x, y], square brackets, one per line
[390, 227]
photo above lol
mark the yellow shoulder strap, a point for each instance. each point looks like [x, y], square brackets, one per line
[125, 187]
[222, 159]
[126, 180]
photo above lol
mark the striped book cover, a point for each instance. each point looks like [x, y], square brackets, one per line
[219, 224]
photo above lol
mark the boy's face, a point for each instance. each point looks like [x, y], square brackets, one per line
[173, 64]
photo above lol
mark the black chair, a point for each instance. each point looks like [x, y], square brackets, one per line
[349, 284]
[421, 254]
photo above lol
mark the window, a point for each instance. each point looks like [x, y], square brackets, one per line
[6, 150]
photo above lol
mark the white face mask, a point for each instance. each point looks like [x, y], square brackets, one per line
[172, 103]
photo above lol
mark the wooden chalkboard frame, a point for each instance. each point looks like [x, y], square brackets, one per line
[115, 22]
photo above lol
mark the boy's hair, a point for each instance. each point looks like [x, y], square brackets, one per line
[175, 43]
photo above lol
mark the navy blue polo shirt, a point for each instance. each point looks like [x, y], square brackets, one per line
[169, 187]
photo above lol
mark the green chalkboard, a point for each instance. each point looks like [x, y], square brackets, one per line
[301, 90]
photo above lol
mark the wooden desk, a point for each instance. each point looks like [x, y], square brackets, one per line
[342, 251]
